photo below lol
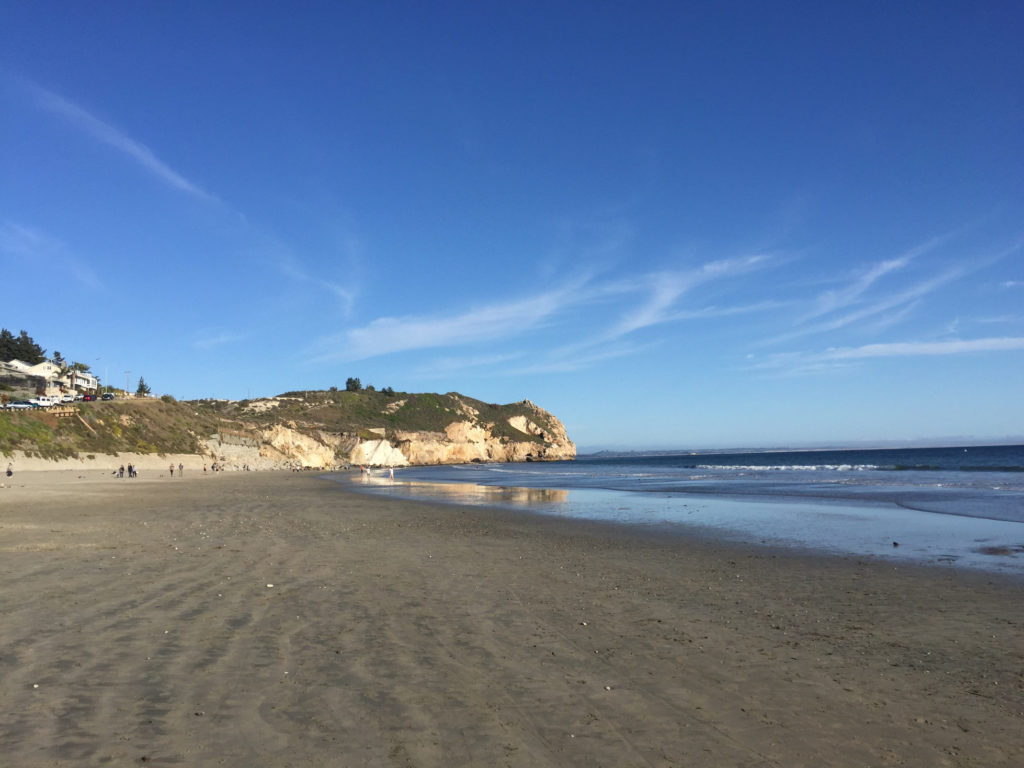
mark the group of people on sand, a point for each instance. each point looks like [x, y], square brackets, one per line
[132, 472]
[181, 470]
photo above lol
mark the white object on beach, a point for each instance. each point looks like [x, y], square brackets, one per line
[270, 586]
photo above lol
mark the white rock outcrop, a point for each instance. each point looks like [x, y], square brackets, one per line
[378, 453]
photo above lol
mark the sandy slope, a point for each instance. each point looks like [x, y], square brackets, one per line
[409, 634]
[99, 464]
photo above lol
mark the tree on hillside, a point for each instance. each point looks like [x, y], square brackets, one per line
[353, 385]
[143, 389]
[21, 347]
[6, 345]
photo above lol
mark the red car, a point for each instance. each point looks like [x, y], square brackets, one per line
[90, 397]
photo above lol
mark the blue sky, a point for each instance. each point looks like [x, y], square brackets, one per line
[672, 224]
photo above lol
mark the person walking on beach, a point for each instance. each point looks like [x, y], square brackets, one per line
[10, 469]
[131, 471]
[181, 469]
[204, 467]
[120, 472]
[172, 470]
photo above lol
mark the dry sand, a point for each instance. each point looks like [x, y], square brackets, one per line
[138, 624]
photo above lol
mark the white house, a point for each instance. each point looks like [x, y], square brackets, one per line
[82, 380]
[47, 377]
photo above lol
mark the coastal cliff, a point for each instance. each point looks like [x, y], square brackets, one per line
[308, 429]
[530, 434]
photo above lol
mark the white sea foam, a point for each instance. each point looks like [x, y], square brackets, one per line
[789, 467]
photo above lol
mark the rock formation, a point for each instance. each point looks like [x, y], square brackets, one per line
[515, 439]
[304, 429]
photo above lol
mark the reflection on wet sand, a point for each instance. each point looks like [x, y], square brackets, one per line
[469, 493]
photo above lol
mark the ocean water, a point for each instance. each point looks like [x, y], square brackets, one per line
[956, 507]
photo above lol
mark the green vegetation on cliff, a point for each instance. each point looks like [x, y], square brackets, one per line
[170, 426]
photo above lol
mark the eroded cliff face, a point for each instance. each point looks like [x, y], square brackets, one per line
[275, 448]
[463, 442]
[519, 438]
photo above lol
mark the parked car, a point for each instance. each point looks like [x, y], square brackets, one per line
[107, 396]
[21, 405]
[90, 397]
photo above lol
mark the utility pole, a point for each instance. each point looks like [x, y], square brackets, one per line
[126, 375]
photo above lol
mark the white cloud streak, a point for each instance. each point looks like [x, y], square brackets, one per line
[143, 156]
[210, 339]
[107, 134]
[448, 365]
[666, 288]
[803, 363]
[35, 248]
[898, 305]
[919, 348]
[280, 257]
[661, 293]
[388, 335]
[835, 300]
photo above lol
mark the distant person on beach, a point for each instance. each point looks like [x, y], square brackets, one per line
[131, 470]
[181, 470]
[172, 470]
[120, 472]
[204, 467]
[10, 470]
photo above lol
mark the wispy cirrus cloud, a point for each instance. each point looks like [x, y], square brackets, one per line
[837, 299]
[802, 363]
[279, 255]
[388, 335]
[444, 366]
[664, 289]
[292, 269]
[880, 312]
[930, 348]
[559, 362]
[212, 338]
[650, 299]
[862, 303]
[36, 247]
[107, 134]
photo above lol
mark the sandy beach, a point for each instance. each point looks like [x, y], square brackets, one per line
[277, 619]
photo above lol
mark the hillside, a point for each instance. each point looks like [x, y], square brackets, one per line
[319, 429]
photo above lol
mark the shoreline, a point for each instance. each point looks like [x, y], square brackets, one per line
[873, 529]
[412, 633]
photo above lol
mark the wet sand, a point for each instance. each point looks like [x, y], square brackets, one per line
[138, 625]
